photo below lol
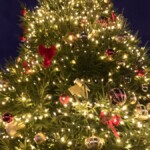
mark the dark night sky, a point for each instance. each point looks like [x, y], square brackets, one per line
[137, 12]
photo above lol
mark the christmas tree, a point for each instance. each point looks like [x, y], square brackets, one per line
[81, 81]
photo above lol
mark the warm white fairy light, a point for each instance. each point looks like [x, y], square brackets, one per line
[63, 139]
[139, 124]
[91, 116]
[24, 99]
[122, 122]
[70, 143]
[75, 18]
[40, 117]
[27, 120]
[35, 118]
[124, 107]
[118, 140]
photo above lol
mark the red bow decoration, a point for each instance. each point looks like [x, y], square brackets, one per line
[48, 54]
[111, 122]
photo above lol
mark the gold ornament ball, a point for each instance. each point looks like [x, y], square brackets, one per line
[148, 106]
[141, 112]
[145, 87]
[133, 99]
[106, 1]
[39, 138]
[94, 143]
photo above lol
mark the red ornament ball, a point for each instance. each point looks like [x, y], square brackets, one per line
[23, 12]
[25, 64]
[140, 72]
[22, 39]
[118, 96]
[110, 52]
[7, 117]
[64, 99]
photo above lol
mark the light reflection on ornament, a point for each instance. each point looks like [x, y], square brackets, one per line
[144, 87]
[64, 99]
[133, 99]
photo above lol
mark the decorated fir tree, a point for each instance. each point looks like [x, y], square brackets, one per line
[81, 81]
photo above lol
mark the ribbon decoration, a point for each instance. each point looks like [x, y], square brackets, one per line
[13, 128]
[112, 122]
[47, 53]
[113, 16]
[80, 89]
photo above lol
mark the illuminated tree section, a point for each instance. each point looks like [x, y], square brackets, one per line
[80, 82]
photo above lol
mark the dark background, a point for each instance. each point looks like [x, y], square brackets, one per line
[137, 12]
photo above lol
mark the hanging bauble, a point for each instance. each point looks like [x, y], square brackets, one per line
[121, 63]
[3, 83]
[27, 67]
[127, 79]
[106, 1]
[145, 87]
[22, 39]
[133, 99]
[25, 64]
[148, 106]
[83, 22]
[7, 117]
[141, 112]
[23, 12]
[84, 35]
[94, 143]
[140, 72]
[39, 138]
[122, 37]
[64, 99]
[118, 96]
[110, 52]
[28, 71]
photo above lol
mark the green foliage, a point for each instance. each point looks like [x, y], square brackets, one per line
[82, 31]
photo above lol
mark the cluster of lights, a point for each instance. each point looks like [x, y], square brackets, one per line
[39, 18]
